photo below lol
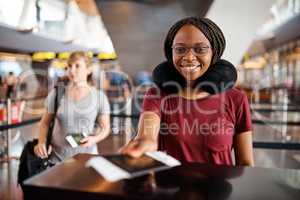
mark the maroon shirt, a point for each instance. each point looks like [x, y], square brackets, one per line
[199, 130]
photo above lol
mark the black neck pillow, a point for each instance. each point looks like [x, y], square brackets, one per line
[218, 78]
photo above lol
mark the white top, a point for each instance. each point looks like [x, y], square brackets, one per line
[75, 117]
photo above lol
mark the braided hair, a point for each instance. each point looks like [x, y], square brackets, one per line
[221, 74]
[211, 31]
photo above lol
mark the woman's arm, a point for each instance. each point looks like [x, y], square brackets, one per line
[147, 137]
[243, 149]
[100, 133]
[40, 149]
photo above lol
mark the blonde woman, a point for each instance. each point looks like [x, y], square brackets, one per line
[82, 109]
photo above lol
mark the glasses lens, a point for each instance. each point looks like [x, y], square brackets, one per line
[180, 50]
[200, 50]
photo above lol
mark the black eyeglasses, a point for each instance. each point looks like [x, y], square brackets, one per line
[197, 50]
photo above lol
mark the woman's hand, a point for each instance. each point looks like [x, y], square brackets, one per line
[88, 141]
[41, 151]
[138, 147]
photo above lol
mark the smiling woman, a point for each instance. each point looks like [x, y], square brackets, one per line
[191, 64]
[204, 118]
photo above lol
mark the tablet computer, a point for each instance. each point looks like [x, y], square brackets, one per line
[116, 167]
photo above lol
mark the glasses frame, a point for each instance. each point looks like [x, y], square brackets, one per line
[188, 48]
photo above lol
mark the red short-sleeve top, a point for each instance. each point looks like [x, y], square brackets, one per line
[199, 130]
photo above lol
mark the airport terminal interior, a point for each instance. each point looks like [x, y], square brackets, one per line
[124, 39]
